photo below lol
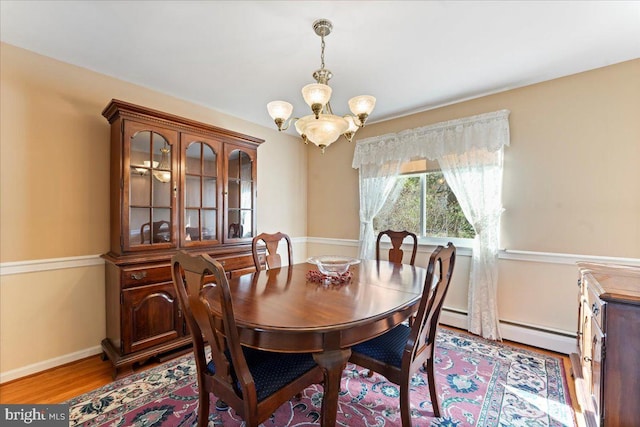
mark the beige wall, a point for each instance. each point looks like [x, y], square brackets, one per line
[54, 185]
[571, 186]
[571, 175]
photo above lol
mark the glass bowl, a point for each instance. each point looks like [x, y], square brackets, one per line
[333, 265]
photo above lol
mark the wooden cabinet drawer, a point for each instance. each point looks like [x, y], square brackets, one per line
[137, 276]
[236, 262]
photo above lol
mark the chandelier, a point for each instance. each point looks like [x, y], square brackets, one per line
[322, 128]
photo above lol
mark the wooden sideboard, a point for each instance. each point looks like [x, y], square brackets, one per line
[606, 365]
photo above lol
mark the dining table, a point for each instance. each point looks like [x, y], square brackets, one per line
[295, 309]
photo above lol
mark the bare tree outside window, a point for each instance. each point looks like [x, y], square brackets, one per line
[424, 204]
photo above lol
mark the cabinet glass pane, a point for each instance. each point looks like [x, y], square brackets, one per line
[192, 229]
[209, 231]
[234, 194]
[140, 188]
[161, 226]
[162, 193]
[192, 192]
[235, 230]
[233, 168]
[245, 166]
[192, 162]
[246, 222]
[209, 193]
[210, 161]
[149, 188]
[140, 155]
[137, 233]
[161, 155]
[246, 199]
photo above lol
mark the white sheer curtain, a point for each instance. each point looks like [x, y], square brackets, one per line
[475, 177]
[376, 184]
[470, 154]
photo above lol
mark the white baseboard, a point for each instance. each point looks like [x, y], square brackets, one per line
[524, 334]
[48, 364]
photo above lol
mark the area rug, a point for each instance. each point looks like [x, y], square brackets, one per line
[480, 383]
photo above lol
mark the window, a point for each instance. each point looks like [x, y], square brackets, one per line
[424, 204]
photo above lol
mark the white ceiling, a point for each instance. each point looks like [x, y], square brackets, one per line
[235, 56]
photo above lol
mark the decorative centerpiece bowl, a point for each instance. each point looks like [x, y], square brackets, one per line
[333, 265]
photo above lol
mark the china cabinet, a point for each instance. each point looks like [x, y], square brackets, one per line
[175, 184]
[606, 363]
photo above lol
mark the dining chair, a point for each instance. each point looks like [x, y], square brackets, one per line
[397, 238]
[396, 254]
[252, 382]
[399, 353]
[160, 232]
[272, 258]
[235, 230]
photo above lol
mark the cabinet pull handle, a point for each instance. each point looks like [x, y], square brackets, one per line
[595, 309]
[139, 275]
[587, 359]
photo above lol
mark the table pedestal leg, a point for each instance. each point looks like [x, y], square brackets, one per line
[332, 363]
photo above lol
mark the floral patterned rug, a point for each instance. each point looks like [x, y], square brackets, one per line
[480, 382]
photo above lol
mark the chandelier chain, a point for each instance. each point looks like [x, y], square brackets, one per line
[322, 53]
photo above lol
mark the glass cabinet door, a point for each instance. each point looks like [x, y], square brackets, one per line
[201, 201]
[240, 194]
[149, 187]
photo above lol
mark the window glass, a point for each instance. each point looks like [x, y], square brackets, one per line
[424, 204]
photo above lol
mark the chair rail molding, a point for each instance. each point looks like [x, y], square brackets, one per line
[426, 245]
[31, 266]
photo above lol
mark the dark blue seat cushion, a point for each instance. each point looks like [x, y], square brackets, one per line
[272, 371]
[388, 347]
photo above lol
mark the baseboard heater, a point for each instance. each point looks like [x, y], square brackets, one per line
[535, 336]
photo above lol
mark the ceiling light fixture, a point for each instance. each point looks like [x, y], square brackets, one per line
[322, 127]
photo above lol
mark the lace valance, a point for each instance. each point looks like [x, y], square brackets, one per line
[489, 131]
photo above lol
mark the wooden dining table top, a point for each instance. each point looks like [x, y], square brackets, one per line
[281, 310]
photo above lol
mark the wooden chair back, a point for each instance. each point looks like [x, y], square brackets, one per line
[235, 230]
[153, 234]
[189, 274]
[421, 343]
[396, 253]
[272, 258]
[228, 375]
[417, 349]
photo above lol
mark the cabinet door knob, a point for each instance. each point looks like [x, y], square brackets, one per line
[595, 309]
[139, 275]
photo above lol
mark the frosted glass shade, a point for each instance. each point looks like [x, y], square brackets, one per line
[352, 124]
[279, 110]
[362, 104]
[316, 93]
[324, 130]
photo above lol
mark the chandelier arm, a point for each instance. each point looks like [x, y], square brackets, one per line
[286, 123]
[327, 108]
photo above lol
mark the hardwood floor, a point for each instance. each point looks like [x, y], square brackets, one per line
[68, 381]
